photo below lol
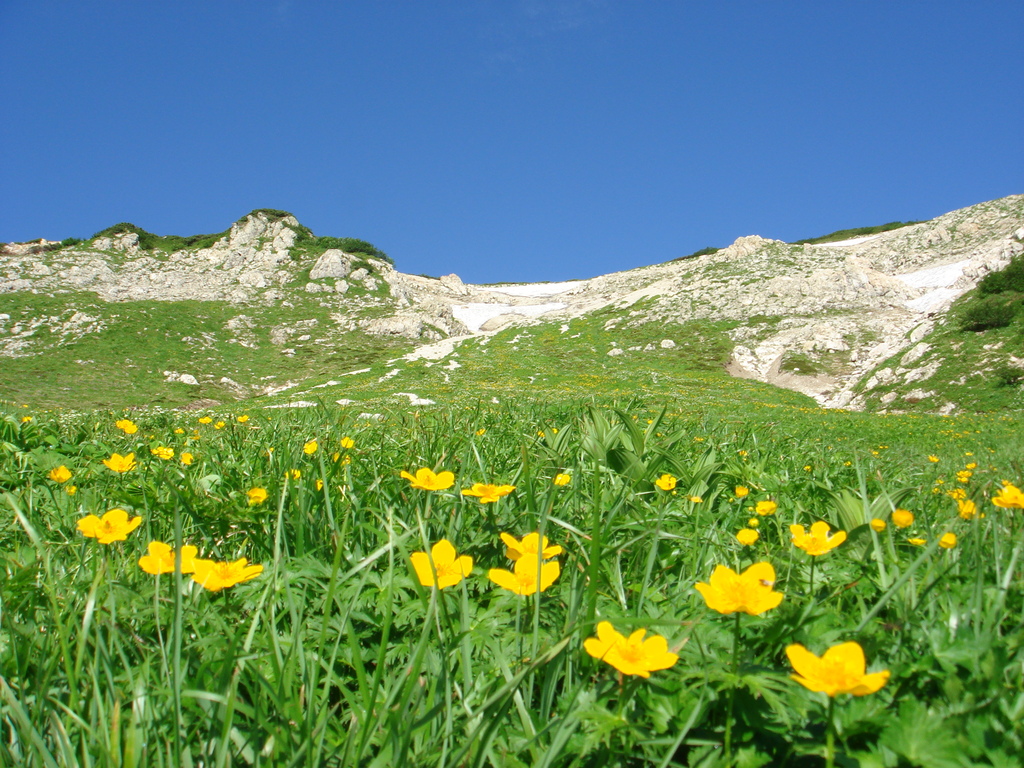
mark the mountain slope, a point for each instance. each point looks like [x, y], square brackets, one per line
[265, 308]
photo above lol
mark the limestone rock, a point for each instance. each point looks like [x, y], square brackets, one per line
[332, 263]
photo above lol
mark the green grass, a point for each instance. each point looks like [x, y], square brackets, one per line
[846, 234]
[123, 364]
[336, 655]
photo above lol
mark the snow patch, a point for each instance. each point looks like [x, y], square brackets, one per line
[475, 315]
[534, 289]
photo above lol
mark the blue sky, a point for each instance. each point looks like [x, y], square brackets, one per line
[507, 140]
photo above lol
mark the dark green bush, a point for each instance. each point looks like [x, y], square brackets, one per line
[1010, 278]
[1007, 375]
[988, 312]
[846, 234]
[67, 242]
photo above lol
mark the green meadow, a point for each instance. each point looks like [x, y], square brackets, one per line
[336, 652]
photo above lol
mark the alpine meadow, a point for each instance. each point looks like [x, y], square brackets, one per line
[270, 501]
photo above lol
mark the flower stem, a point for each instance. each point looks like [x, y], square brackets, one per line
[810, 587]
[732, 689]
[830, 738]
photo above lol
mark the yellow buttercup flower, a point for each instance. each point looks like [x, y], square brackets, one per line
[448, 568]
[319, 484]
[740, 491]
[26, 419]
[819, 540]
[841, 669]
[310, 448]
[666, 482]
[967, 509]
[747, 537]
[695, 499]
[532, 544]
[219, 425]
[631, 655]
[524, 580]
[70, 490]
[918, 542]
[902, 518]
[292, 474]
[933, 458]
[878, 525]
[205, 419]
[216, 576]
[162, 452]
[256, 496]
[179, 431]
[766, 507]
[242, 419]
[480, 432]
[426, 480]
[1009, 497]
[60, 474]
[562, 479]
[748, 592]
[486, 493]
[347, 443]
[753, 523]
[161, 558]
[113, 526]
[127, 426]
[187, 458]
[948, 540]
[119, 463]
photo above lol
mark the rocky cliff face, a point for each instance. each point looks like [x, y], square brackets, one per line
[816, 318]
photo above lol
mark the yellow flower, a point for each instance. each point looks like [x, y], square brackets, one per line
[347, 443]
[666, 482]
[740, 491]
[71, 490]
[902, 518]
[748, 592]
[242, 419]
[292, 474]
[127, 426]
[216, 576]
[179, 431]
[948, 541]
[695, 499]
[918, 542]
[310, 448]
[113, 526]
[161, 558]
[488, 493]
[1009, 497]
[933, 458]
[26, 419]
[957, 493]
[747, 536]
[448, 568]
[766, 507]
[187, 458]
[162, 452]
[819, 540]
[531, 544]
[753, 523]
[741, 454]
[967, 509]
[630, 655]
[480, 431]
[878, 525]
[119, 463]
[60, 475]
[221, 425]
[256, 496]
[524, 580]
[319, 484]
[964, 476]
[807, 467]
[561, 479]
[841, 669]
[426, 480]
[205, 419]
[972, 465]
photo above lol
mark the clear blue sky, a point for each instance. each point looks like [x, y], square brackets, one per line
[507, 139]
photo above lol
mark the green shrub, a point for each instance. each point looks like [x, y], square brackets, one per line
[1007, 375]
[1010, 278]
[67, 242]
[988, 312]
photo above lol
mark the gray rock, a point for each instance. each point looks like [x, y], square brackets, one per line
[332, 263]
